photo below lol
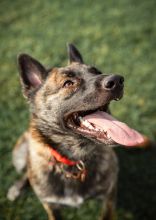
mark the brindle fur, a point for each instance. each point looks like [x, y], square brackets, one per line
[50, 102]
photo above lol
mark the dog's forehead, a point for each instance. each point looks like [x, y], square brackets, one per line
[73, 69]
[56, 75]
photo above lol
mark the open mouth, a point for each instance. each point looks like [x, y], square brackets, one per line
[100, 125]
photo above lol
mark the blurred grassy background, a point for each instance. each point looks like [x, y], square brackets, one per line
[117, 36]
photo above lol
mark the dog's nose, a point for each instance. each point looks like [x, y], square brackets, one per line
[113, 81]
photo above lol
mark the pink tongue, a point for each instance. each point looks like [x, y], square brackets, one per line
[117, 130]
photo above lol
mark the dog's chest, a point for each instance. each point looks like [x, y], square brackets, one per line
[73, 200]
[74, 193]
[53, 187]
[71, 192]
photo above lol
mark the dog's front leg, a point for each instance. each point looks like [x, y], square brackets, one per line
[16, 189]
[52, 212]
[108, 211]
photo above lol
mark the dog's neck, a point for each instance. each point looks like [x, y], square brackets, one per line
[60, 157]
[70, 147]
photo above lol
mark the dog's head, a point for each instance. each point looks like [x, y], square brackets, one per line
[72, 100]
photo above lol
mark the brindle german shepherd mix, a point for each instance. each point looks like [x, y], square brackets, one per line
[66, 152]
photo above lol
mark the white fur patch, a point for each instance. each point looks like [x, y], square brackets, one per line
[20, 157]
[73, 201]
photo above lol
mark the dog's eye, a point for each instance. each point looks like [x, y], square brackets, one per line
[68, 83]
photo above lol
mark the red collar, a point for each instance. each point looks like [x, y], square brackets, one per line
[81, 170]
[62, 159]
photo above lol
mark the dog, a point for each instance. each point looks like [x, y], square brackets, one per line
[66, 154]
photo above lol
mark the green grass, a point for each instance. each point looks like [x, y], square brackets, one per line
[117, 36]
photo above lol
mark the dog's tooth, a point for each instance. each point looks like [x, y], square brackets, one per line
[87, 124]
[108, 136]
[84, 122]
[81, 119]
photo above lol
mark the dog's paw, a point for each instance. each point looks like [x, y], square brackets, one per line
[13, 193]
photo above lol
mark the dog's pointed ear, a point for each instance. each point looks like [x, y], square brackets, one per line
[32, 73]
[74, 54]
